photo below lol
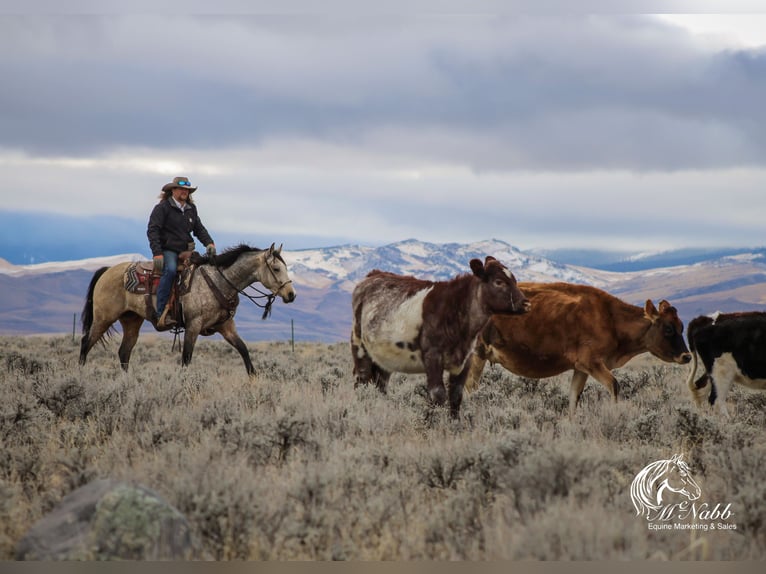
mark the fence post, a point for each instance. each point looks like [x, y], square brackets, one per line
[74, 326]
[292, 334]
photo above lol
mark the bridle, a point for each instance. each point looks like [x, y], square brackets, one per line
[261, 294]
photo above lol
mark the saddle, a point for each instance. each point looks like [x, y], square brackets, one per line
[140, 279]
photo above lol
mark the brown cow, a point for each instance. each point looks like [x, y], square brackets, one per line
[581, 328]
[408, 325]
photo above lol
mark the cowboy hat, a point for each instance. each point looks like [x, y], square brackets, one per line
[179, 182]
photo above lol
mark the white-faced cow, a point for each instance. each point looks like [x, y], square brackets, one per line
[579, 328]
[408, 325]
[732, 347]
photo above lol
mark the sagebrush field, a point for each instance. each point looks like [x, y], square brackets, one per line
[297, 464]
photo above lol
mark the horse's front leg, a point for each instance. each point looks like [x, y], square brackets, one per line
[229, 333]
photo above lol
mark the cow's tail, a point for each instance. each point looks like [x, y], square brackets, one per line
[690, 380]
[86, 317]
[702, 386]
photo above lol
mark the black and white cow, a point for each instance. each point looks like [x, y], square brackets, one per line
[732, 347]
[409, 325]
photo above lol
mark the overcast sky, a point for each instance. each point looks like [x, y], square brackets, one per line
[614, 131]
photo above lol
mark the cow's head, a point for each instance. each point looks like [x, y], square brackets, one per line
[499, 291]
[665, 339]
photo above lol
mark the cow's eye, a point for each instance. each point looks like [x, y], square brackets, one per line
[668, 331]
[499, 282]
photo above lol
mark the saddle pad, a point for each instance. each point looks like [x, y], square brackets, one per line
[138, 277]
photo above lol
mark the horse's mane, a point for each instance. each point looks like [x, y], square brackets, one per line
[227, 257]
[643, 490]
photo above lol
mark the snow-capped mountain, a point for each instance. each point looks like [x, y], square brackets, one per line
[43, 298]
[345, 266]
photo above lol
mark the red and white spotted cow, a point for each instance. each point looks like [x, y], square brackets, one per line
[408, 325]
[732, 347]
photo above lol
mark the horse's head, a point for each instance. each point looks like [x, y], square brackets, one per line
[275, 276]
[678, 479]
[650, 485]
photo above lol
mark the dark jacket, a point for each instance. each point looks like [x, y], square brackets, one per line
[171, 229]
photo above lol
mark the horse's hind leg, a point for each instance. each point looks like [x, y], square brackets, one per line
[190, 339]
[131, 326]
[229, 332]
[93, 336]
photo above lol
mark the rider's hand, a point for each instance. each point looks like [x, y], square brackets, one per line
[211, 250]
[159, 263]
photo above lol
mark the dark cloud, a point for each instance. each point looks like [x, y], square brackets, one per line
[543, 92]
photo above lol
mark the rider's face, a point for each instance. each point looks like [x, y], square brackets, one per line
[181, 194]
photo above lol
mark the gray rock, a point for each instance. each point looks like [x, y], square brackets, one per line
[109, 520]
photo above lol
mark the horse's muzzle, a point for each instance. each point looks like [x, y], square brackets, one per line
[290, 297]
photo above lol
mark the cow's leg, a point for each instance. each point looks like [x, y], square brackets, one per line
[380, 377]
[707, 378]
[723, 373]
[575, 390]
[434, 377]
[366, 370]
[456, 384]
[603, 375]
[475, 368]
[229, 332]
[363, 365]
[131, 326]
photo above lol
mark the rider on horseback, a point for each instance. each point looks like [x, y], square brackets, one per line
[171, 224]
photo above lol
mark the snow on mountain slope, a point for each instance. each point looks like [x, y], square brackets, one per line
[346, 265]
[60, 266]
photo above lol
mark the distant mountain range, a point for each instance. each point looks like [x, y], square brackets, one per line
[48, 297]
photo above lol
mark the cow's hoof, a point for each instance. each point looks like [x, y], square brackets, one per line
[438, 395]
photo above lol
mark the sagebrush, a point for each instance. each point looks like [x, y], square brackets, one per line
[297, 464]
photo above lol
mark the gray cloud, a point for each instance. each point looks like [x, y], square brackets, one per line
[544, 92]
[613, 131]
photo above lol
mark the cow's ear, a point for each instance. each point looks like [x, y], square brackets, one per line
[665, 306]
[478, 268]
[650, 311]
[487, 259]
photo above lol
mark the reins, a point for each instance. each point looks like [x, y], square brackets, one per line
[261, 294]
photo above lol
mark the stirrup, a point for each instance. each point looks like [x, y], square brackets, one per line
[165, 321]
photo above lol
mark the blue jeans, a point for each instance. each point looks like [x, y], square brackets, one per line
[166, 281]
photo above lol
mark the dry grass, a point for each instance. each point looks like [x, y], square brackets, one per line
[299, 465]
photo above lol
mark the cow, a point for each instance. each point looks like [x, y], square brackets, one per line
[732, 347]
[579, 328]
[409, 325]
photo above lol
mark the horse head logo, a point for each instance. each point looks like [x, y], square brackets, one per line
[658, 478]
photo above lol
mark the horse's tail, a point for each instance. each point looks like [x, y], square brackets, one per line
[86, 317]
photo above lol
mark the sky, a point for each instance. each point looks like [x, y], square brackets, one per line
[622, 131]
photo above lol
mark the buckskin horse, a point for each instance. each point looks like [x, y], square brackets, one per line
[208, 306]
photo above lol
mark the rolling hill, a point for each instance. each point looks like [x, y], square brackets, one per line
[46, 298]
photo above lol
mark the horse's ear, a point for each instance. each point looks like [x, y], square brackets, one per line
[271, 249]
[279, 251]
